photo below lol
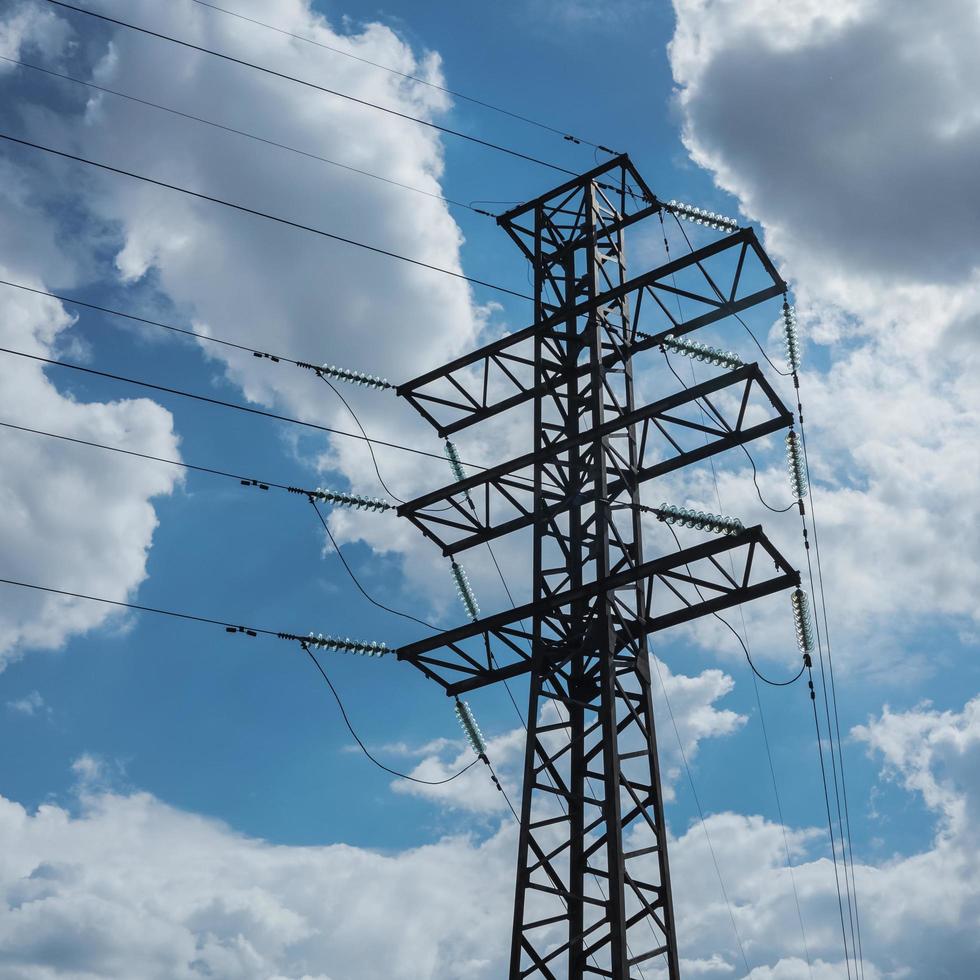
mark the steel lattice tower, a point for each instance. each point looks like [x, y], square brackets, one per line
[593, 895]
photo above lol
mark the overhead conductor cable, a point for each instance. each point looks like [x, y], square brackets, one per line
[311, 85]
[260, 214]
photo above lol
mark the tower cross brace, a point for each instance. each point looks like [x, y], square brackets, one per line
[593, 892]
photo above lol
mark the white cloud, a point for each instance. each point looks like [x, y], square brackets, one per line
[274, 287]
[227, 273]
[27, 28]
[29, 705]
[934, 753]
[130, 887]
[68, 520]
[126, 886]
[848, 130]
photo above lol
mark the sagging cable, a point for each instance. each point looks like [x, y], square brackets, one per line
[798, 483]
[791, 337]
[465, 592]
[698, 519]
[702, 352]
[470, 728]
[699, 216]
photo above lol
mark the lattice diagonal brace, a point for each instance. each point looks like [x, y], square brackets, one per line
[591, 854]
[593, 895]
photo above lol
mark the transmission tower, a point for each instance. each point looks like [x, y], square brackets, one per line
[593, 894]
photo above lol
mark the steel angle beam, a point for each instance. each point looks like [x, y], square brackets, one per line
[479, 385]
[673, 593]
[503, 490]
[622, 199]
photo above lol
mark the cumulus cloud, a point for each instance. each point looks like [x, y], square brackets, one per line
[936, 754]
[848, 131]
[131, 887]
[225, 273]
[275, 287]
[122, 885]
[67, 520]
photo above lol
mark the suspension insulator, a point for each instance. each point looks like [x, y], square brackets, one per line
[801, 621]
[470, 728]
[699, 216]
[347, 645]
[452, 454]
[354, 377]
[799, 485]
[465, 591]
[353, 500]
[791, 337]
[698, 519]
[701, 352]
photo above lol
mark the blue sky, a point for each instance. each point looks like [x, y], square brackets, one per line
[109, 718]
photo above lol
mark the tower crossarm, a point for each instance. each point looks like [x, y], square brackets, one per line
[622, 195]
[501, 375]
[675, 588]
[672, 432]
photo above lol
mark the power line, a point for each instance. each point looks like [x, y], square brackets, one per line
[263, 214]
[246, 408]
[250, 631]
[830, 738]
[847, 844]
[154, 323]
[237, 346]
[246, 134]
[785, 374]
[238, 477]
[782, 824]
[744, 643]
[697, 803]
[732, 630]
[500, 786]
[229, 626]
[414, 78]
[224, 404]
[312, 85]
[826, 796]
[374, 459]
[364, 748]
[265, 484]
[356, 581]
[414, 619]
[755, 472]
